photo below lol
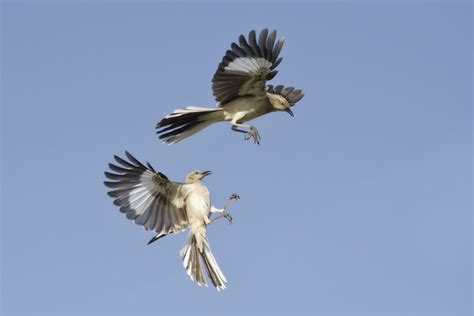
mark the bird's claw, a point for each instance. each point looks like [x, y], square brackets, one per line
[253, 133]
[228, 217]
[224, 213]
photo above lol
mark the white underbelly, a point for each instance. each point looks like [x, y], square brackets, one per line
[198, 208]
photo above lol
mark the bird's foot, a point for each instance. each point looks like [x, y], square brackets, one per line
[224, 212]
[234, 197]
[225, 215]
[253, 133]
[228, 217]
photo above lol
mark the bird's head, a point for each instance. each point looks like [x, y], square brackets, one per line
[282, 98]
[196, 175]
[279, 103]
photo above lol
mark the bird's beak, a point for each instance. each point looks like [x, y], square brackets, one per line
[206, 173]
[289, 111]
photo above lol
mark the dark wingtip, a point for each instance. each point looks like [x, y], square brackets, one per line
[159, 124]
[109, 175]
[272, 74]
[150, 166]
[155, 238]
[130, 157]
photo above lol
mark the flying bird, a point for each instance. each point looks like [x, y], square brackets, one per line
[153, 201]
[240, 89]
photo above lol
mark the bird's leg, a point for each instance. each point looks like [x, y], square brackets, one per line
[251, 132]
[223, 211]
[222, 214]
[235, 128]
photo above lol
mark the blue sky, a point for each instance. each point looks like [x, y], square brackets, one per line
[360, 205]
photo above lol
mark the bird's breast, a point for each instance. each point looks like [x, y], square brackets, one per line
[198, 204]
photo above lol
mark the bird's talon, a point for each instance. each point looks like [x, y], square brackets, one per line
[253, 133]
[234, 197]
[228, 217]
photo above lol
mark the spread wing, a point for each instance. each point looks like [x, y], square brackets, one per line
[291, 94]
[247, 66]
[147, 197]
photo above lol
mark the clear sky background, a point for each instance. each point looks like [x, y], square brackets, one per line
[360, 205]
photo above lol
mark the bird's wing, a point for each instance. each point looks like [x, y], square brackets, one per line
[147, 197]
[247, 66]
[291, 94]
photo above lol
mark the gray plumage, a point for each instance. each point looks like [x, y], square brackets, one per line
[153, 201]
[239, 87]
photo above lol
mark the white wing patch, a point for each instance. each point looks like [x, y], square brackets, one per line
[248, 64]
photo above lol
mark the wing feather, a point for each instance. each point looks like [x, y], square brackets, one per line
[247, 66]
[145, 196]
[245, 46]
[253, 42]
[262, 42]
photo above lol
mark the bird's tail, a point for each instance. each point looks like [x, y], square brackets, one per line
[183, 123]
[191, 252]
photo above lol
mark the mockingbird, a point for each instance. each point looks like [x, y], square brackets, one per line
[150, 199]
[239, 87]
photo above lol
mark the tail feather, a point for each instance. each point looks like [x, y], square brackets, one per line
[183, 123]
[191, 253]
